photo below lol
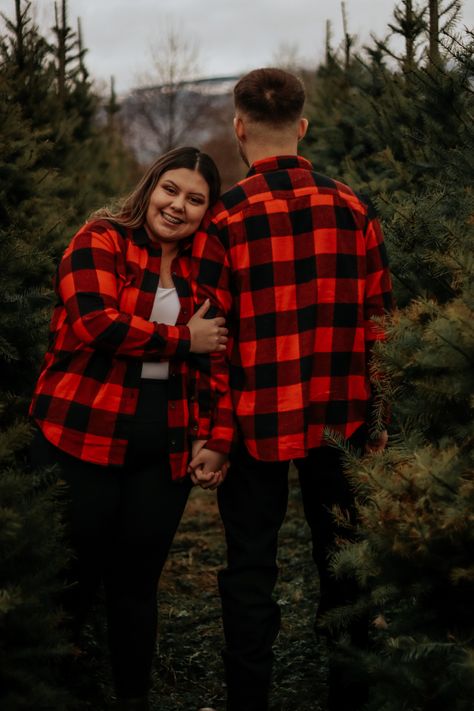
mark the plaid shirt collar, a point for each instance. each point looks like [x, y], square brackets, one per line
[265, 165]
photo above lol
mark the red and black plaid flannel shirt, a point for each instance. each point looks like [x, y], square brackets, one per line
[100, 334]
[297, 264]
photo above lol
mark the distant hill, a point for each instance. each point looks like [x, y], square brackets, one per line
[156, 118]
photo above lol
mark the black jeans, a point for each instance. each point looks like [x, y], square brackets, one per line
[253, 502]
[121, 522]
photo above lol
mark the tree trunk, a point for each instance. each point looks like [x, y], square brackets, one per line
[328, 43]
[61, 31]
[347, 38]
[434, 32]
[409, 39]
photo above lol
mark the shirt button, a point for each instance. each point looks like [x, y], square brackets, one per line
[195, 427]
[173, 442]
[185, 311]
[172, 405]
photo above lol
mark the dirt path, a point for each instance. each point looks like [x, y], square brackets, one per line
[188, 672]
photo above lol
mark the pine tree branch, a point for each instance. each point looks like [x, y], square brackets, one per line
[452, 345]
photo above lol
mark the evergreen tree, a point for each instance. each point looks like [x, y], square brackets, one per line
[51, 142]
[50, 82]
[414, 554]
[31, 554]
[415, 557]
[368, 122]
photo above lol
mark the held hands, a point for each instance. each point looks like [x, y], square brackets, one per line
[208, 469]
[208, 335]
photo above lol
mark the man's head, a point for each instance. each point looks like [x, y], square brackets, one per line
[268, 112]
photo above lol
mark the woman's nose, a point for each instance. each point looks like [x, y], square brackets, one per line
[178, 202]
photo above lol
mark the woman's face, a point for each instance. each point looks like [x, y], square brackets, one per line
[177, 205]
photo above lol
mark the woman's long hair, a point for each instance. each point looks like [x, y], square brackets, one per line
[131, 210]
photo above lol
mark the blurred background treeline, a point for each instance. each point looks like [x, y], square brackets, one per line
[392, 119]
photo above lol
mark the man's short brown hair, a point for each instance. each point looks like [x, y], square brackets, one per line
[271, 96]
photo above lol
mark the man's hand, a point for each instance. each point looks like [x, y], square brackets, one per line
[208, 468]
[196, 447]
[378, 444]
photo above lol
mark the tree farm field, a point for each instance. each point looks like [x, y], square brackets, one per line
[189, 671]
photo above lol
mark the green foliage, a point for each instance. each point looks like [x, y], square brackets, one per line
[415, 563]
[381, 128]
[58, 162]
[82, 155]
[404, 133]
[29, 199]
[30, 549]
[31, 644]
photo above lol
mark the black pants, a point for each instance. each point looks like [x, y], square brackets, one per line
[121, 522]
[253, 502]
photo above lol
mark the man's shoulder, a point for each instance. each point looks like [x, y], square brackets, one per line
[249, 191]
[238, 195]
[286, 184]
[353, 198]
[347, 197]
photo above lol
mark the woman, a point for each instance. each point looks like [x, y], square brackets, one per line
[114, 404]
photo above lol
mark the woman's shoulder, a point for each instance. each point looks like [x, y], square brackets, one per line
[100, 233]
[104, 224]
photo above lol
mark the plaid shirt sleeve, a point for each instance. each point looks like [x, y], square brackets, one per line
[211, 275]
[88, 285]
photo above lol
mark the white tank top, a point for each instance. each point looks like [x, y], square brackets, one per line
[166, 308]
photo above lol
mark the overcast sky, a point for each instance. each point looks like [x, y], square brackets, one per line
[232, 36]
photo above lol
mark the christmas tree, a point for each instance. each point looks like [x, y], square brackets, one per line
[30, 549]
[49, 133]
[414, 556]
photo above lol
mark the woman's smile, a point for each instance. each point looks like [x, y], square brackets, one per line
[177, 205]
[171, 218]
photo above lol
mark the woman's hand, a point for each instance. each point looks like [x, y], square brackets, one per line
[208, 335]
[207, 467]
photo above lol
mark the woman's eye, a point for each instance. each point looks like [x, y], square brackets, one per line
[169, 189]
[196, 201]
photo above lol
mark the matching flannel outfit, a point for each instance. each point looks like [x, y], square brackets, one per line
[296, 263]
[121, 441]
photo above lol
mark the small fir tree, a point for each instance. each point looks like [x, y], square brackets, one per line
[46, 142]
[414, 554]
[31, 552]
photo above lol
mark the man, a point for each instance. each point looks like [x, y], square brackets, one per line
[296, 262]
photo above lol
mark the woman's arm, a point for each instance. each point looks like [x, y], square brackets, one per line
[88, 286]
